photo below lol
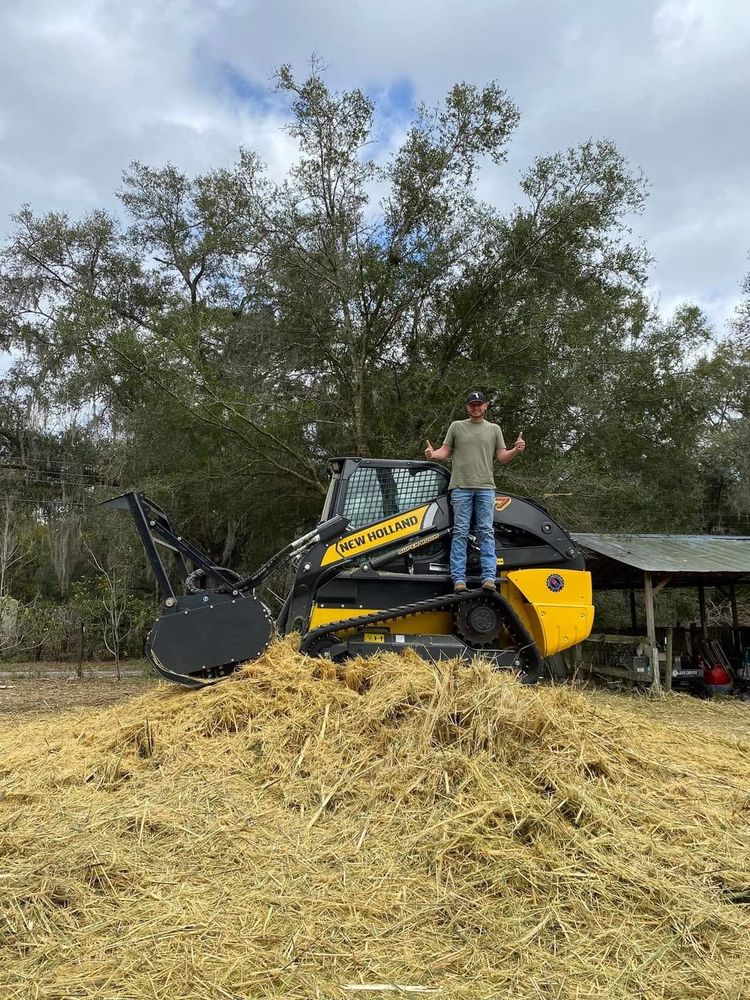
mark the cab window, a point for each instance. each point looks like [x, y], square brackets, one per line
[376, 493]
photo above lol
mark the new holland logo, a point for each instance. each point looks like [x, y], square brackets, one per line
[402, 527]
[364, 539]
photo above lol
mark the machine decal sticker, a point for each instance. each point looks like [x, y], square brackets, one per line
[418, 544]
[555, 583]
[395, 528]
[502, 502]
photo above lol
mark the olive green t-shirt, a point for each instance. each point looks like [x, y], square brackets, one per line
[474, 446]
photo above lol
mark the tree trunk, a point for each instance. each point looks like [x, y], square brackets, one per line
[360, 433]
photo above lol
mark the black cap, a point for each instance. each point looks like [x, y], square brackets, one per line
[476, 397]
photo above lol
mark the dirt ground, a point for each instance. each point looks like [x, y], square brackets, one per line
[34, 690]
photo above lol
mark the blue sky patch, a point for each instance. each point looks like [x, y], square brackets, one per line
[395, 101]
[243, 90]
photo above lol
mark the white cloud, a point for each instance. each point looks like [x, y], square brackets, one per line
[90, 85]
[676, 24]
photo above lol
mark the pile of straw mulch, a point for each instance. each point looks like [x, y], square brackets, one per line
[400, 829]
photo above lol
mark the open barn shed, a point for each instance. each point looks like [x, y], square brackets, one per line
[649, 563]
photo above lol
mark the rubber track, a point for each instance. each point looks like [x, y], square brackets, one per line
[511, 620]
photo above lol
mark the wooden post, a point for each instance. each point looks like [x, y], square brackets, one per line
[668, 661]
[702, 608]
[735, 621]
[633, 616]
[577, 658]
[81, 630]
[648, 595]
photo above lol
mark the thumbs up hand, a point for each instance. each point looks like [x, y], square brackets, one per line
[520, 444]
[428, 452]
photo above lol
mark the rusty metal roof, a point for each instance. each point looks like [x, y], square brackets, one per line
[620, 560]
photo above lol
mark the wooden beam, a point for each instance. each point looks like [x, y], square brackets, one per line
[629, 640]
[661, 585]
[648, 597]
[641, 675]
[668, 664]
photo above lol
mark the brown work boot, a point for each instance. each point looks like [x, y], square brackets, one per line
[489, 585]
[460, 587]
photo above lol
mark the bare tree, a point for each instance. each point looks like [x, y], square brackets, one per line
[63, 533]
[15, 545]
[19, 629]
[114, 601]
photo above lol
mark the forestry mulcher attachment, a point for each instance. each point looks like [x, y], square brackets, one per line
[373, 576]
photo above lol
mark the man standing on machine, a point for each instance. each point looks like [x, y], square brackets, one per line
[472, 445]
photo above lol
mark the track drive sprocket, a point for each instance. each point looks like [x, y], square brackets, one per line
[479, 622]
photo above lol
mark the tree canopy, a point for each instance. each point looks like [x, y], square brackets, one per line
[221, 336]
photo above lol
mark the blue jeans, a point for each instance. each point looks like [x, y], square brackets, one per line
[482, 502]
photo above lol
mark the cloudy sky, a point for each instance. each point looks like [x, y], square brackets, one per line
[88, 85]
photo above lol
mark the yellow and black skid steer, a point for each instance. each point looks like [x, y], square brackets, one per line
[373, 575]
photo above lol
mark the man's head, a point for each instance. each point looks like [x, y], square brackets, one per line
[476, 405]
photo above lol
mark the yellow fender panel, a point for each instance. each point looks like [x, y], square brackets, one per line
[556, 605]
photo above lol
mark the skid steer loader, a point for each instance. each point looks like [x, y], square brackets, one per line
[372, 576]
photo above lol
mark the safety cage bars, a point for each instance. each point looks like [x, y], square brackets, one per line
[374, 493]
